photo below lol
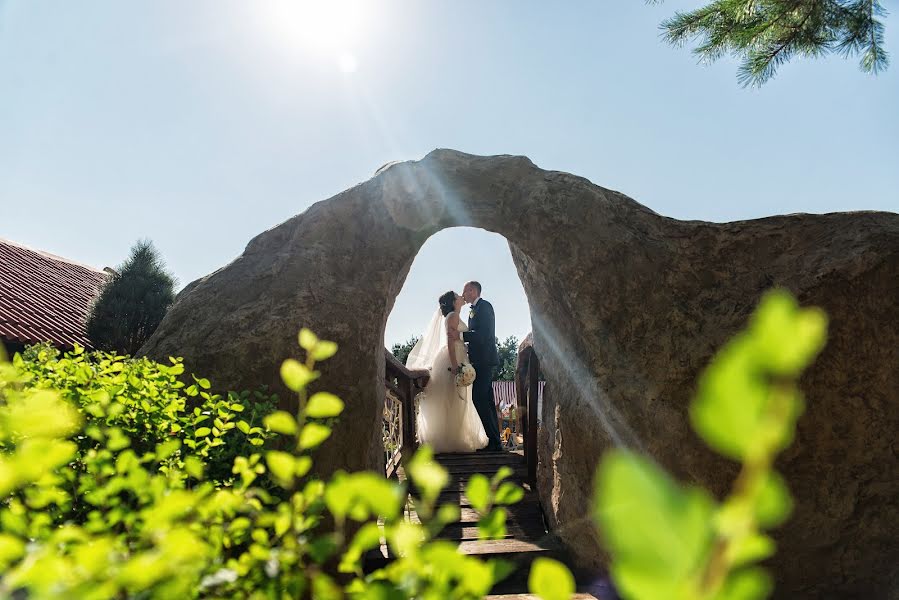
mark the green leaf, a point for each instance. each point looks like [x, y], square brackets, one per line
[363, 495]
[281, 464]
[202, 432]
[244, 427]
[786, 338]
[324, 350]
[428, 476]
[295, 374]
[324, 588]
[750, 548]
[167, 448]
[550, 579]
[307, 339]
[368, 536]
[237, 407]
[737, 410]
[503, 472]
[448, 513]
[194, 467]
[730, 400]
[746, 584]
[774, 503]
[323, 405]
[478, 491]
[501, 569]
[493, 525]
[203, 383]
[406, 538]
[281, 422]
[312, 435]
[302, 464]
[657, 532]
[11, 547]
[41, 414]
[508, 493]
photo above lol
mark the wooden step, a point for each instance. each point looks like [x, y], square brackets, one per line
[533, 597]
[457, 484]
[508, 547]
[523, 512]
[458, 497]
[506, 458]
[469, 531]
[526, 537]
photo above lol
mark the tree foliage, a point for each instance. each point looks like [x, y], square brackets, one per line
[132, 303]
[401, 351]
[508, 358]
[765, 34]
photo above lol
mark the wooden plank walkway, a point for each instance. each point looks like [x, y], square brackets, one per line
[527, 535]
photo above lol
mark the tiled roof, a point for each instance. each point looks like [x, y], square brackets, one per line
[44, 298]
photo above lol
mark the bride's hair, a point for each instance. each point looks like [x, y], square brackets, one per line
[447, 303]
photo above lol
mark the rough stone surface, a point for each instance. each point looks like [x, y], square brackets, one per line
[627, 307]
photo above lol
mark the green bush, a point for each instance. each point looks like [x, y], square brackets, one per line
[117, 480]
[146, 403]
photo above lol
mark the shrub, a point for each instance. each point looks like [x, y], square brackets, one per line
[109, 489]
[133, 302]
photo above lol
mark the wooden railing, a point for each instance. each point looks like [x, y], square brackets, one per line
[402, 385]
[527, 388]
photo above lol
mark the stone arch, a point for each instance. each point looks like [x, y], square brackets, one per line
[627, 307]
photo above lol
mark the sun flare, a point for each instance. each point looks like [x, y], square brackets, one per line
[331, 28]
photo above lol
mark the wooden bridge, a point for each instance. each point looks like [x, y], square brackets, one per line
[528, 535]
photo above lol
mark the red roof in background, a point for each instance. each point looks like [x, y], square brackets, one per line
[504, 394]
[44, 298]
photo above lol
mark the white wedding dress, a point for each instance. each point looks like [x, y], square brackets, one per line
[447, 419]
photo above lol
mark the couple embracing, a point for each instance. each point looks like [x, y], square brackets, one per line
[456, 410]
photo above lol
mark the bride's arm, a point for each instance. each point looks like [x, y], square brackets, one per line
[452, 334]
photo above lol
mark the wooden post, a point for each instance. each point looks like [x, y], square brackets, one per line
[521, 390]
[531, 435]
[409, 442]
[407, 385]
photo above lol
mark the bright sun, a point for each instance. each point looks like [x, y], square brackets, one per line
[328, 27]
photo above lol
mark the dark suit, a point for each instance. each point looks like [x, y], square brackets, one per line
[481, 338]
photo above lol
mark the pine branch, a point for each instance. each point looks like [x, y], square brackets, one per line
[766, 34]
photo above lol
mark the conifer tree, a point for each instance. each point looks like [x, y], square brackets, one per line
[133, 302]
[765, 34]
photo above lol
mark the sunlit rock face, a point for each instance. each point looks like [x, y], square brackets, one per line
[627, 307]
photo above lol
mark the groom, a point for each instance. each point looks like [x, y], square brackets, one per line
[481, 338]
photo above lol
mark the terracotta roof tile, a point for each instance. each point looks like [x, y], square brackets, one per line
[45, 298]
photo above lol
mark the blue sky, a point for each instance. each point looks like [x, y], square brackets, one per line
[199, 124]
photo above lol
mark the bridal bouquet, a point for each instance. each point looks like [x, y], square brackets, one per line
[465, 376]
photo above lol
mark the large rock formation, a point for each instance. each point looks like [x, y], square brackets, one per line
[627, 307]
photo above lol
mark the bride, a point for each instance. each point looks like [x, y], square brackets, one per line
[447, 418]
